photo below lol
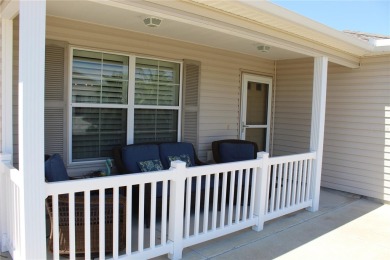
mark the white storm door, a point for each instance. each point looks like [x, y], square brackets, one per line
[256, 110]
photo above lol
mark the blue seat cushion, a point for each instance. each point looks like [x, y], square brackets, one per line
[176, 149]
[233, 152]
[55, 169]
[133, 154]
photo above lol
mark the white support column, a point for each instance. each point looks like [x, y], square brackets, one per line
[318, 123]
[176, 209]
[32, 31]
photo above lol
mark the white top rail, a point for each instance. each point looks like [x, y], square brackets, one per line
[291, 158]
[88, 184]
[223, 167]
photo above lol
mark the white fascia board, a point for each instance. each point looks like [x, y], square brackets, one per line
[382, 43]
[9, 9]
[380, 46]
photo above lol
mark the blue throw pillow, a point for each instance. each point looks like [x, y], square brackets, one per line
[150, 166]
[55, 169]
[183, 157]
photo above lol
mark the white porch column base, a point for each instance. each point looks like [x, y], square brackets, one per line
[318, 124]
[32, 31]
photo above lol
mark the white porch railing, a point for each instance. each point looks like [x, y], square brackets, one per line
[289, 184]
[10, 192]
[194, 205]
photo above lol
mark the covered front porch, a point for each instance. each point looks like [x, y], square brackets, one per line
[267, 187]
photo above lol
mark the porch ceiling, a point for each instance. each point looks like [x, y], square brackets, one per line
[129, 15]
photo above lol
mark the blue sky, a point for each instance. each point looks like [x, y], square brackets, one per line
[370, 16]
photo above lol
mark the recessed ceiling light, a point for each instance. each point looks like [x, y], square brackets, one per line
[263, 48]
[152, 21]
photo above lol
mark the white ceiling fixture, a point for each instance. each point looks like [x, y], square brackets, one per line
[263, 48]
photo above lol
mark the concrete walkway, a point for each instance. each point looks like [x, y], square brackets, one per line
[346, 227]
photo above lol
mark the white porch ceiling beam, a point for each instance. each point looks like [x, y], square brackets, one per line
[180, 11]
[318, 122]
[32, 32]
[9, 9]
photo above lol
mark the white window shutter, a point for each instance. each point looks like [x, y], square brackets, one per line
[191, 86]
[55, 99]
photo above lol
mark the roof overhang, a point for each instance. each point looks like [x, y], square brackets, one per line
[238, 26]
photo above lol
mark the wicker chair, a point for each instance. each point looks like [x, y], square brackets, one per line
[63, 212]
[55, 171]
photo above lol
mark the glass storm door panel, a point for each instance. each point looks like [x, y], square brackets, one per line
[255, 110]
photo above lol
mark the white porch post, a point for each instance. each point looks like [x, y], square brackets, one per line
[32, 29]
[176, 209]
[318, 123]
[261, 196]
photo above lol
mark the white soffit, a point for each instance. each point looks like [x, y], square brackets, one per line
[131, 19]
[201, 24]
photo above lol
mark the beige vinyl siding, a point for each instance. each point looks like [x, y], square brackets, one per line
[1, 92]
[357, 127]
[293, 103]
[357, 133]
[220, 70]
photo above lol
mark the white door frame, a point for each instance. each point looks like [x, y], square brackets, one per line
[243, 126]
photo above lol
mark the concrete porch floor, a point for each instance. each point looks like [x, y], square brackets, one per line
[346, 226]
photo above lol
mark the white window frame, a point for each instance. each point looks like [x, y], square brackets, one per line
[130, 106]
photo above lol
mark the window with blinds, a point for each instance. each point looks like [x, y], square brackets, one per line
[156, 101]
[100, 102]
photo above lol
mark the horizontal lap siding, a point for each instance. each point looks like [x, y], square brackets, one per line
[220, 70]
[292, 122]
[357, 127]
[357, 134]
[1, 92]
